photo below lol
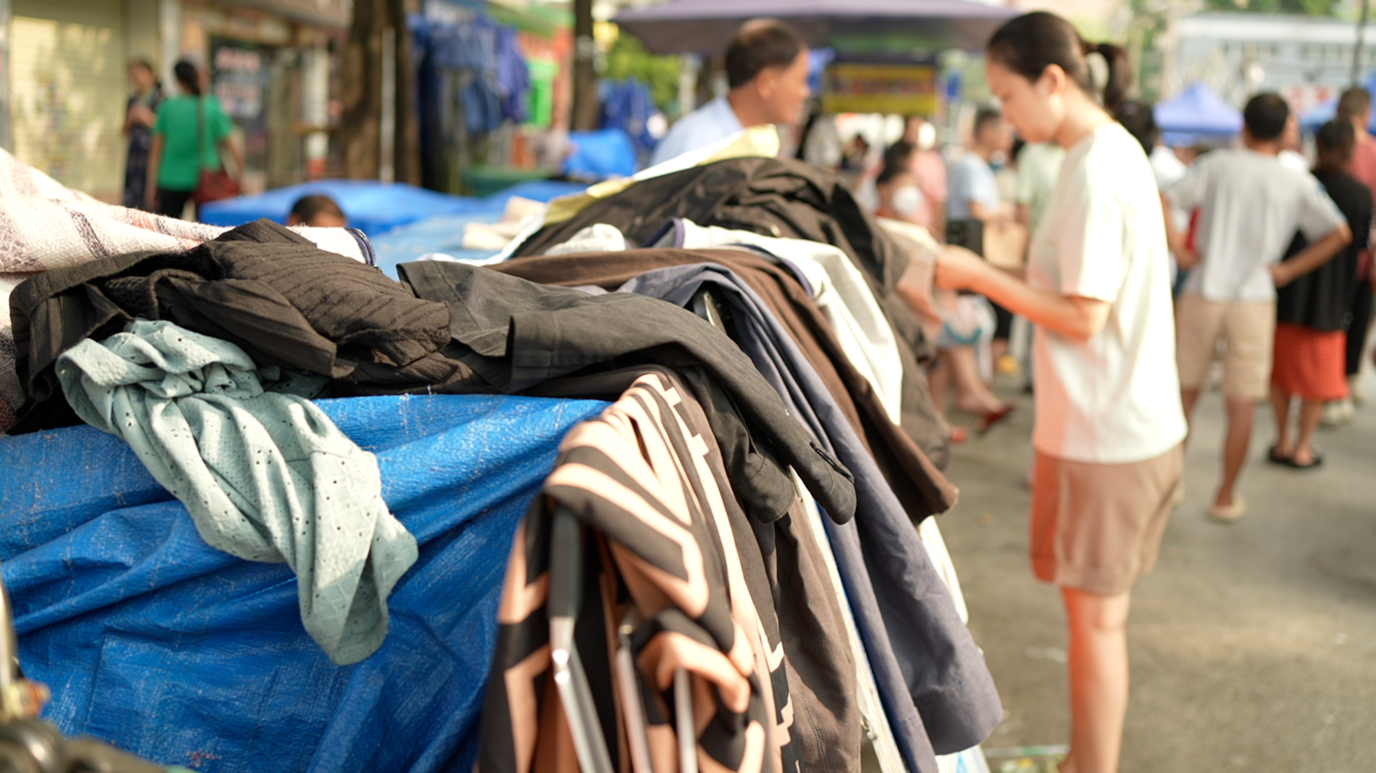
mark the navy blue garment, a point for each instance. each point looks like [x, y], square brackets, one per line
[512, 76]
[936, 687]
[482, 106]
[627, 105]
[140, 146]
[184, 655]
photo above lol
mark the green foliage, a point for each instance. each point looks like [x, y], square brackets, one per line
[1306, 7]
[629, 59]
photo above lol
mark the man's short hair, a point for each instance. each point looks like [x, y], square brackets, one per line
[983, 117]
[1354, 103]
[1265, 116]
[307, 207]
[760, 44]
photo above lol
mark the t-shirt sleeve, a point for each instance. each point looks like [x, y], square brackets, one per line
[221, 125]
[1318, 214]
[1090, 246]
[1187, 193]
[160, 122]
[1026, 189]
[983, 187]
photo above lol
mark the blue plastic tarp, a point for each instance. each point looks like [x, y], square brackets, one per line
[1322, 113]
[600, 155]
[1198, 112]
[445, 233]
[167, 648]
[371, 206]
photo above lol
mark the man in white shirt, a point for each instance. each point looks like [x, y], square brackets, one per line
[1250, 205]
[766, 70]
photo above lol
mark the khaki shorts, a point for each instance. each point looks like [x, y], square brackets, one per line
[1248, 330]
[1098, 527]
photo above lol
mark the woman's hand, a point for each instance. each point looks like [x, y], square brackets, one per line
[150, 200]
[959, 269]
[142, 115]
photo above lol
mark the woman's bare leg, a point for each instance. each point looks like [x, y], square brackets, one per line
[1098, 679]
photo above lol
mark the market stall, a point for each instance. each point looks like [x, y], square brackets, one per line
[728, 471]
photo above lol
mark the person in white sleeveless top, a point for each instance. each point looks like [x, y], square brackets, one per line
[1109, 426]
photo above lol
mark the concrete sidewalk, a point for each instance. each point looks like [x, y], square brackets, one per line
[1253, 644]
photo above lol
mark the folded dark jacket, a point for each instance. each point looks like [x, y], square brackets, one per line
[528, 334]
[271, 292]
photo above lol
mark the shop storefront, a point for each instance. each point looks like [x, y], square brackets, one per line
[272, 73]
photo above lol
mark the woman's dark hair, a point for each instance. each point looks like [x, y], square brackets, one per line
[1138, 119]
[1335, 142]
[897, 160]
[187, 76]
[142, 62]
[1032, 42]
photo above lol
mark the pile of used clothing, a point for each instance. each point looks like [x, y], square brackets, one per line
[701, 385]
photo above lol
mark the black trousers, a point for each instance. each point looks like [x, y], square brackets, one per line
[1361, 319]
[172, 203]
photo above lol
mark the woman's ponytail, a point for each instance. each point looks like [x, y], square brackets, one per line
[1118, 82]
[188, 77]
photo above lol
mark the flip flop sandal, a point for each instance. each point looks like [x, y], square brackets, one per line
[1275, 458]
[988, 420]
[1317, 460]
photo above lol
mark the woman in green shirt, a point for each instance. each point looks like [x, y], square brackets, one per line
[178, 154]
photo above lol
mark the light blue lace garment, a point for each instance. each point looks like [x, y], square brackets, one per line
[265, 475]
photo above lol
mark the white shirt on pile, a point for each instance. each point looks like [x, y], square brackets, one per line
[1114, 398]
[1250, 205]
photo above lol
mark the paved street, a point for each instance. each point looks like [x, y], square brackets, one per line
[1253, 645]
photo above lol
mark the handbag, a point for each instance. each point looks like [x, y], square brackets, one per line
[213, 184]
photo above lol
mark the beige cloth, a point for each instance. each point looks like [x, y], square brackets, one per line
[1248, 330]
[922, 250]
[44, 225]
[1098, 527]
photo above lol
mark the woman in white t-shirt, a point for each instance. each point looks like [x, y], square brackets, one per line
[1109, 425]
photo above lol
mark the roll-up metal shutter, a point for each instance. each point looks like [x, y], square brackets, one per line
[68, 89]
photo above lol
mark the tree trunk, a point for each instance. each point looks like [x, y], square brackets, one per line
[361, 123]
[587, 110]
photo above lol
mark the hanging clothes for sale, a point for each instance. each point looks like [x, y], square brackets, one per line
[921, 487]
[932, 677]
[667, 569]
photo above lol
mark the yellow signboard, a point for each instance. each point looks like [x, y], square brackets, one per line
[906, 89]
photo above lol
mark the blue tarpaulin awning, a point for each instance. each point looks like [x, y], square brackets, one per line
[706, 26]
[1198, 113]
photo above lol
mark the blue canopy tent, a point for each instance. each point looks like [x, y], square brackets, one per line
[374, 207]
[1321, 114]
[1197, 115]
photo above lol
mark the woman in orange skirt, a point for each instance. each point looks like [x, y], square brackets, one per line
[1311, 313]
